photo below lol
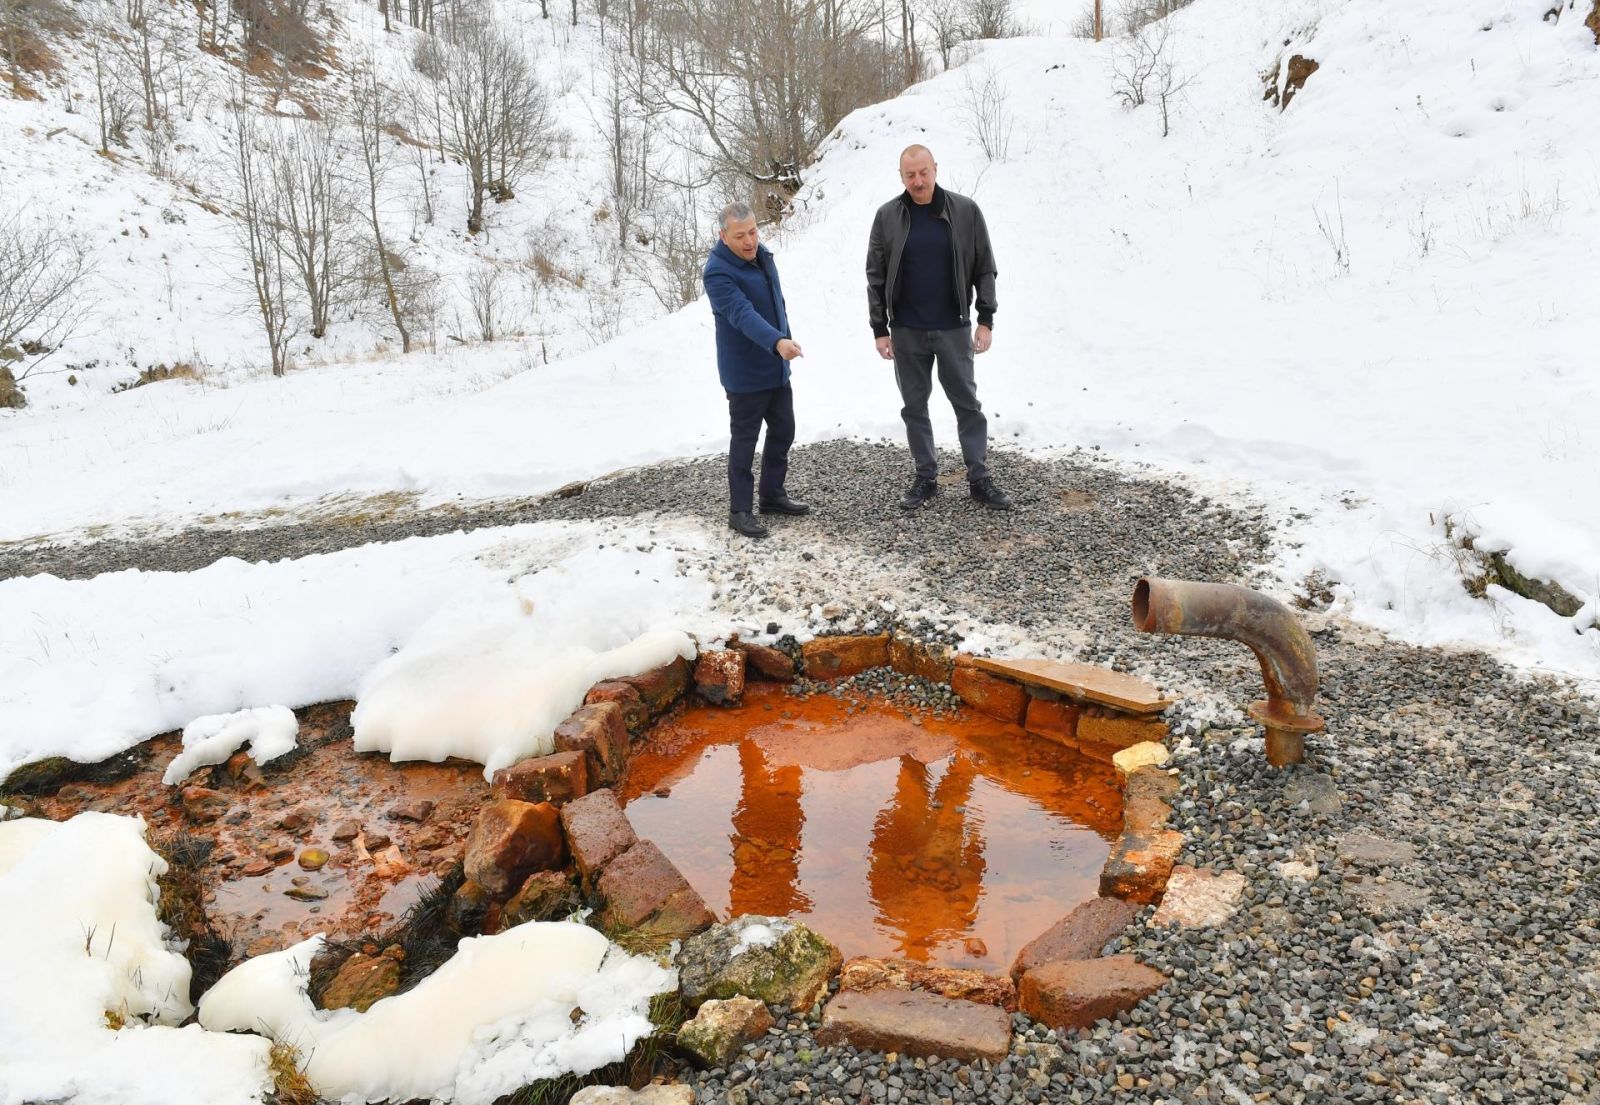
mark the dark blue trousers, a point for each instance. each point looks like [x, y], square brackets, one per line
[746, 411]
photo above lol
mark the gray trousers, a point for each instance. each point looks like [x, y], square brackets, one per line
[915, 352]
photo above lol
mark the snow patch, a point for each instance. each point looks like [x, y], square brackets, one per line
[80, 942]
[271, 731]
[496, 1016]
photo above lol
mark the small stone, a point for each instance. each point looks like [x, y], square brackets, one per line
[203, 805]
[597, 831]
[719, 677]
[362, 981]
[510, 841]
[306, 893]
[1132, 758]
[598, 732]
[416, 809]
[313, 859]
[622, 1095]
[557, 778]
[721, 1027]
[346, 830]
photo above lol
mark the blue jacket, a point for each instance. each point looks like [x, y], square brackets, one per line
[747, 302]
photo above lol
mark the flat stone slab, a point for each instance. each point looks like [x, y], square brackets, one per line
[1083, 681]
[1316, 792]
[1366, 850]
[870, 973]
[643, 890]
[1387, 899]
[1141, 755]
[916, 1023]
[1197, 898]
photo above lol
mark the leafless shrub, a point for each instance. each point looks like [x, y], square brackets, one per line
[1142, 69]
[983, 107]
[679, 246]
[1137, 14]
[43, 271]
[486, 299]
[368, 107]
[992, 19]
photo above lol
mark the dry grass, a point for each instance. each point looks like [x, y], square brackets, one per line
[289, 1085]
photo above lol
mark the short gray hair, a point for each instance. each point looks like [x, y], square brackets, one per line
[735, 212]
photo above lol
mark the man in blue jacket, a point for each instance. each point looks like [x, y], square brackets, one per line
[753, 354]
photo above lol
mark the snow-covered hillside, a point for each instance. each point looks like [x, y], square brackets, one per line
[1368, 308]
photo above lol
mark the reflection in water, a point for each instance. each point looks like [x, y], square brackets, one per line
[926, 866]
[766, 838]
[953, 841]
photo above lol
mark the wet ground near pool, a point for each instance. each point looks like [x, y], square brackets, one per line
[950, 841]
[323, 840]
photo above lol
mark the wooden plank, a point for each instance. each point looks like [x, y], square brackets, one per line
[1084, 682]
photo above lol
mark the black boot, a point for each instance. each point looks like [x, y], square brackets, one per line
[921, 491]
[985, 492]
[782, 504]
[746, 523]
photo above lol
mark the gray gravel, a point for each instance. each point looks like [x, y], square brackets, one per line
[1465, 968]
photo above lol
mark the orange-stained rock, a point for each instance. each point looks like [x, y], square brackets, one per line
[1079, 935]
[644, 891]
[597, 832]
[660, 687]
[1139, 867]
[634, 714]
[1145, 815]
[546, 896]
[1071, 994]
[599, 733]
[914, 1023]
[557, 779]
[362, 981]
[765, 661]
[989, 694]
[1056, 721]
[1098, 725]
[203, 805]
[1149, 780]
[511, 841]
[930, 661]
[867, 973]
[839, 657]
[719, 677]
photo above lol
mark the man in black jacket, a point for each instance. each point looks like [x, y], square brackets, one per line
[927, 257]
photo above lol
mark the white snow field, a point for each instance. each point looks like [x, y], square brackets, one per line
[1372, 311]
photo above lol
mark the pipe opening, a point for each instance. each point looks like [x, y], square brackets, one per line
[1141, 607]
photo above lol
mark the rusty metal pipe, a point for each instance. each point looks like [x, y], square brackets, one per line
[1267, 627]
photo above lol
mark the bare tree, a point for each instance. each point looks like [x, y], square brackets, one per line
[113, 108]
[626, 133]
[313, 212]
[367, 102]
[42, 276]
[992, 19]
[766, 80]
[496, 117]
[258, 227]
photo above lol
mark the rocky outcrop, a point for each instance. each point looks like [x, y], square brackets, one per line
[721, 1028]
[777, 961]
[914, 1023]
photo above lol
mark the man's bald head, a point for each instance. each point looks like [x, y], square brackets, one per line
[918, 172]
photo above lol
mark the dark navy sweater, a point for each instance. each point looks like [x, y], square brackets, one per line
[925, 295]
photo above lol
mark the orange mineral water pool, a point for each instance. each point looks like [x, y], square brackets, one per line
[948, 841]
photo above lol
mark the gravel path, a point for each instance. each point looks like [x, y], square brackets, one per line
[1437, 935]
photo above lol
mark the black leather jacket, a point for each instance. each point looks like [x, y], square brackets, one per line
[970, 252]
